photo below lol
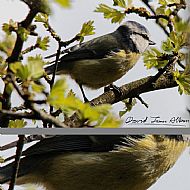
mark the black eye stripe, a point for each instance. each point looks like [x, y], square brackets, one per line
[143, 35]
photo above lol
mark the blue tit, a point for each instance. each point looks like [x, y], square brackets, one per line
[132, 162]
[105, 59]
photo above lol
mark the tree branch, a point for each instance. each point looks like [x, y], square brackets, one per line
[14, 57]
[135, 88]
[130, 90]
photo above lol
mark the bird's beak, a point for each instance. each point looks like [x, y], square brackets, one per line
[151, 42]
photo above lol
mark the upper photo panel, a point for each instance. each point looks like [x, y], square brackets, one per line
[94, 64]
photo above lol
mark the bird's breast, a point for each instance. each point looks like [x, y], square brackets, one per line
[96, 73]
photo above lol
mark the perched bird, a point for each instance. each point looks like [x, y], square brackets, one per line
[132, 162]
[103, 60]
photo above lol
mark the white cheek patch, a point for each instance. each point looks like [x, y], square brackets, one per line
[133, 37]
[140, 43]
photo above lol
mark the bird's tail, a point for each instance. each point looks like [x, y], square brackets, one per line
[26, 165]
[49, 69]
[5, 173]
[60, 70]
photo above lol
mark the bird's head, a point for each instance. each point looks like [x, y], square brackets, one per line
[137, 33]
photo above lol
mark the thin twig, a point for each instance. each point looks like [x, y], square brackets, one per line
[18, 115]
[17, 161]
[6, 104]
[19, 108]
[157, 21]
[142, 101]
[66, 43]
[181, 65]
[29, 49]
[60, 44]
[38, 113]
[173, 61]
[54, 73]
[27, 139]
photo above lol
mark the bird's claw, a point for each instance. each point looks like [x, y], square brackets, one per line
[113, 88]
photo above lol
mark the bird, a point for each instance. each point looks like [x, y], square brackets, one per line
[105, 59]
[91, 162]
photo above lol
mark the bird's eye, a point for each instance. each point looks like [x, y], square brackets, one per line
[145, 36]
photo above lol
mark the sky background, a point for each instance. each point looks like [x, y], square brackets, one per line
[164, 103]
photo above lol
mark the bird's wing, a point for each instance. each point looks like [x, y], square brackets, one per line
[73, 143]
[68, 50]
[94, 49]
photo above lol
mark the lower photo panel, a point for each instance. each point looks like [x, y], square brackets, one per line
[94, 162]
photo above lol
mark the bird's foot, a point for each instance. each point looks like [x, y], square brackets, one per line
[115, 89]
[83, 94]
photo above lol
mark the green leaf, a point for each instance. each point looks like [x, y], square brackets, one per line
[9, 88]
[33, 70]
[181, 26]
[7, 44]
[35, 67]
[90, 114]
[103, 109]
[183, 81]
[168, 45]
[15, 66]
[110, 13]
[3, 67]
[175, 42]
[187, 69]
[11, 26]
[37, 87]
[130, 3]
[163, 2]
[120, 3]
[153, 58]
[96, 113]
[20, 70]
[128, 106]
[73, 103]
[87, 30]
[43, 43]
[23, 33]
[17, 123]
[57, 94]
[64, 3]
[23, 73]
[6, 28]
[41, 17]
[110, 122]
[168, 2]
[173, 2]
